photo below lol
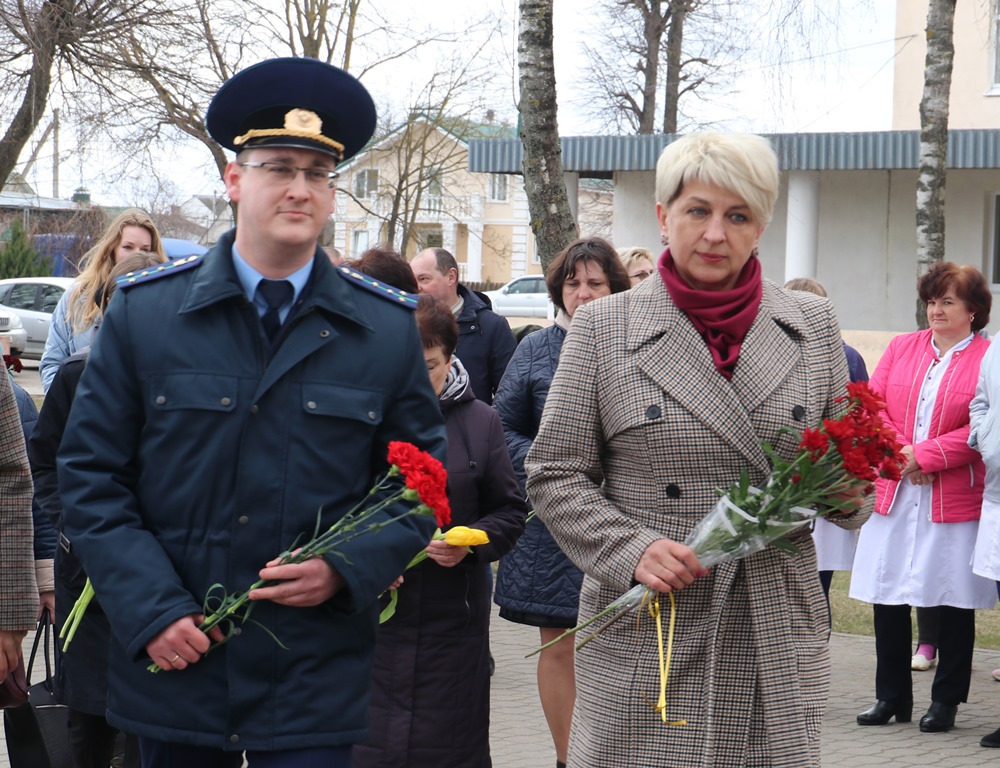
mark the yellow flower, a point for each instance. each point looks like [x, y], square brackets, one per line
[463, 536]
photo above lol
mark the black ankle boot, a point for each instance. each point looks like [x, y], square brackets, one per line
[939, 718]
[560, 764]
[884, 711]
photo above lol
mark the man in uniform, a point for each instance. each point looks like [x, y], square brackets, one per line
[228, 401]
[485, 341]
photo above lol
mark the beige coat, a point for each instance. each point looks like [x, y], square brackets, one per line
[638, 433]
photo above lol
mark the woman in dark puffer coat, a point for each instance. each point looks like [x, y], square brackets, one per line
[430, 702]
[536, 583]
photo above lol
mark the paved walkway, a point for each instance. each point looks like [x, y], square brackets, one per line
[520, 738]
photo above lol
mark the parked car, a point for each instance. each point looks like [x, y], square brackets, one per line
[32, 300]
[10, 325]
[523, 296]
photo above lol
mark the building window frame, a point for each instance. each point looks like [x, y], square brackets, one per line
[359, 242]
[366, 183]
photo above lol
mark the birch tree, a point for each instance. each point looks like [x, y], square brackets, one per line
[934, 107]
[548, 202]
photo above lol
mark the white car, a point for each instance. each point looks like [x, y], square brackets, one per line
[32, 299]
[524, 296]
[10, 325]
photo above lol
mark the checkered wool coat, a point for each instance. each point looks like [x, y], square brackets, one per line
[638, 432]
[18, 593]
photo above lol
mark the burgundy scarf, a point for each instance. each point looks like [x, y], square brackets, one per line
[723, 318]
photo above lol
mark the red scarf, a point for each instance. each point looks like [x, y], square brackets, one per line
[723, 318]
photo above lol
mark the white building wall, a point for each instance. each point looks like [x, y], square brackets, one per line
[635, 211]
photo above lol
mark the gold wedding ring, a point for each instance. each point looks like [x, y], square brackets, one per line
[175, 658]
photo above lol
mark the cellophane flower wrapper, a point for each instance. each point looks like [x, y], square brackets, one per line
[730, 532]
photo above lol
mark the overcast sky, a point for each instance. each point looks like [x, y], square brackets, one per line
[845, 85]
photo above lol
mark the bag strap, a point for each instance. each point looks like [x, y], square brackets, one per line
[43, 634]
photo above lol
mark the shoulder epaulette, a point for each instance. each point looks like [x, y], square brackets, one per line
[160, 270]
[384, 290]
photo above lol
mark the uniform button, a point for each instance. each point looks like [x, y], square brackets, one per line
[798, 413]
[234, 739]
[254, 408]
[237, 630]
[225, 401]
[673, 491]
[653, 412]
[160, 400]
[372, 415]
[472, 327]
[311, 405]
[244, 520]
[324, 333]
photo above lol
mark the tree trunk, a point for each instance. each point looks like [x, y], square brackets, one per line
[934, 140]
[548, 204]
[675, 43]
[49, 25]
[652, 33]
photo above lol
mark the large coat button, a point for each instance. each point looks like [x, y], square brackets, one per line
[674, 491]
[799, 413]
[653, 412]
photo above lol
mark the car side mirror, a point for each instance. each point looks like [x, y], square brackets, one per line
[505, 290]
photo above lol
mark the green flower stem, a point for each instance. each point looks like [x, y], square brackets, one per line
[76, 615]
[236, 607]
[619, 607]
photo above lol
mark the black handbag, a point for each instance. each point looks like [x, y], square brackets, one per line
[37, 733]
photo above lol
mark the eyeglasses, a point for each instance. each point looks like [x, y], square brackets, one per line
[282, 173]
[641, 275]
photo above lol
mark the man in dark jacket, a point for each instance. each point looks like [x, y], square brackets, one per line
[485, 341]
[232, 404]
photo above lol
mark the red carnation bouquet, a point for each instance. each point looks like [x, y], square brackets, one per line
[838, 456]
[425, 486]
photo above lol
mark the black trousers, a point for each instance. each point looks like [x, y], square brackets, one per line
[956, 638]
[93, 741]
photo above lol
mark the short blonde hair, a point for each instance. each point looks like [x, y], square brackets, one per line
[635, 253]
[741, 163]
[806, 285]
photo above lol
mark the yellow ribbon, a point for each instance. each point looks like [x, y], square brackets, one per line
[654, 611]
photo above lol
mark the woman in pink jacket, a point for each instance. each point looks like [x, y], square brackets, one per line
[916, 550]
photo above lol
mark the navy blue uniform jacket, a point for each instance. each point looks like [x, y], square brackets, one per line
[192, 457]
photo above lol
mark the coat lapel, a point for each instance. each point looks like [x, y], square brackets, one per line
[771, 350]
[669, 350]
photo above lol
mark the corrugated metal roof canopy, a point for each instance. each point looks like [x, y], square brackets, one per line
[600, 156]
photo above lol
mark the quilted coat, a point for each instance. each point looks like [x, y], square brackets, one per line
[638, 432]
[194, 454]
[430, 704]
[536, 576]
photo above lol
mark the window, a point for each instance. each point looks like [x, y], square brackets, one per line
[434, 239]
[48, 297]
[366, 183]
[435, 184]
[359, 243]
[498, 186]
[528, 285]
[22, 296]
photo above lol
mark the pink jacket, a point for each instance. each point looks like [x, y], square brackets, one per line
[957, 492]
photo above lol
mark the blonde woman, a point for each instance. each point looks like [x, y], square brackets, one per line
[638, 263]
[77, 314]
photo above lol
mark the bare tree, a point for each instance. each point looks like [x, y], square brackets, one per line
[548, 202]
[653, 56]
[934, 108]
[43, 40]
